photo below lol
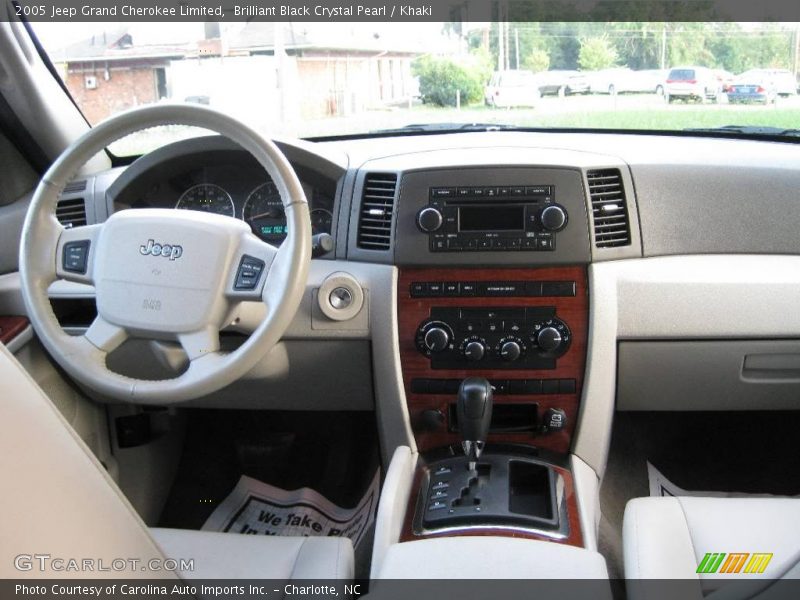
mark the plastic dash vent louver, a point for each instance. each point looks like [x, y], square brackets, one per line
[377, 207]
[71, 211]
[74, 186]
[609, 209]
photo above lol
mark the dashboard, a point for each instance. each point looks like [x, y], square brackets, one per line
[703, 270]
[227, 182]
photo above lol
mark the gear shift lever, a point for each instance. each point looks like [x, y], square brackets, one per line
[474, 410]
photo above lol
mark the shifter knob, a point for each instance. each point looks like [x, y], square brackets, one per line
[474, 410]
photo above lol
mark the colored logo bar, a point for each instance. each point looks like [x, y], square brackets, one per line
[734, 562]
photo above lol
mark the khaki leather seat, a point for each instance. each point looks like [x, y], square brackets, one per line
[59, 501]
[668, 538]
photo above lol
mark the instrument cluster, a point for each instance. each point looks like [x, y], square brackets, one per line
[229, 184]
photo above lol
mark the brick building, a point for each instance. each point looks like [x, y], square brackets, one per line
[316, 74]
[107, 73]
[339, 74]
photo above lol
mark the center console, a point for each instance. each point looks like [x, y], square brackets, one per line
[470, 305]
[522, 329]
[492, 315]
[525, 332]
[474, 313]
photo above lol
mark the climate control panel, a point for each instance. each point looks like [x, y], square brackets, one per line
[493, 338]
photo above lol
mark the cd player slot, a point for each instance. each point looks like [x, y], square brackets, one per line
[493, 202]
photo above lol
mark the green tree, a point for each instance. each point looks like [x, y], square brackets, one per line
[688, 44]
[537, 60]
[638, 44]
[440, 80]
[596, 53]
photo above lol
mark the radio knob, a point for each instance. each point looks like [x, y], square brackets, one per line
[549, 339]
[429, 219]
[474, 351]
[436, 339]
[510, 351]
[553, 218]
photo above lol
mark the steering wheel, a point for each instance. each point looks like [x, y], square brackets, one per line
[162, 273]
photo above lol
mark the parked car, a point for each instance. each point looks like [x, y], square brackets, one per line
[756, 86]
[507, 89]
[577, 83]
[561, 82]
[619, 80]
[609, 81]
[784, 81]
[649, 81]
[692, 83]
[724, 79]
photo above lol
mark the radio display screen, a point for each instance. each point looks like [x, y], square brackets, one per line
[491, 218]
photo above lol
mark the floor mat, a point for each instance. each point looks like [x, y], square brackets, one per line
[335, 453]
[758, 454]
[254, 507]
[661, 486]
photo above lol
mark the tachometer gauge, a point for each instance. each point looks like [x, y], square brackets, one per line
[321, 221]
[207, 197]
[263, 211]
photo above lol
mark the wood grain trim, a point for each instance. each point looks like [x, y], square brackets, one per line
[574, 310]
[575, 537]
[11, 327]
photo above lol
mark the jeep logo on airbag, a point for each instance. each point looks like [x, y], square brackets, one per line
[170, 251]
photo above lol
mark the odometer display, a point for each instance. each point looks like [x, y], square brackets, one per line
[207, 197]
[263, 211]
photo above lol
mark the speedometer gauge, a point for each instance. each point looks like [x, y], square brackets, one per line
[263, 211]
[207, 197]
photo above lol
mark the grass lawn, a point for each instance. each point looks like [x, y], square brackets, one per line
[631, 112]
[674, 118]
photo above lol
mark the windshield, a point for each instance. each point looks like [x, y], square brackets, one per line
[329, 79]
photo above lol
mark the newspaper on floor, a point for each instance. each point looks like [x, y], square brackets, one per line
[257, 508]
[661, 486]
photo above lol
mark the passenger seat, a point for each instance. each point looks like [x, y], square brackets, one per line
[683, 538]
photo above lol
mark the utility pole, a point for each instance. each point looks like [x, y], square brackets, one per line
[663, 46]
[508, 44]
[516, 47]
[501, 45]
[796, 56]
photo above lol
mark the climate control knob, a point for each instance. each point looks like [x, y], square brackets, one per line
[510, 350]
[474, 350]
[429, 219]
[436, 339]
[549, 339]
[433, 337]
[553, 218]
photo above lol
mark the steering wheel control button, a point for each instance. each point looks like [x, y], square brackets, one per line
[76, 256]
[249, 273]
[340, 298]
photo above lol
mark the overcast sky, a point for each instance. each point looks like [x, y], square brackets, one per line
[58, 35]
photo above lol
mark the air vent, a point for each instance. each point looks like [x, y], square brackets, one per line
[74, 187]
[609, 209]
[377, 206]
[71, 212]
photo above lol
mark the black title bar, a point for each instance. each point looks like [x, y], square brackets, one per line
[405, 11]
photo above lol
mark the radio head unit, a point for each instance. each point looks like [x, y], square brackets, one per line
[492, 218]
